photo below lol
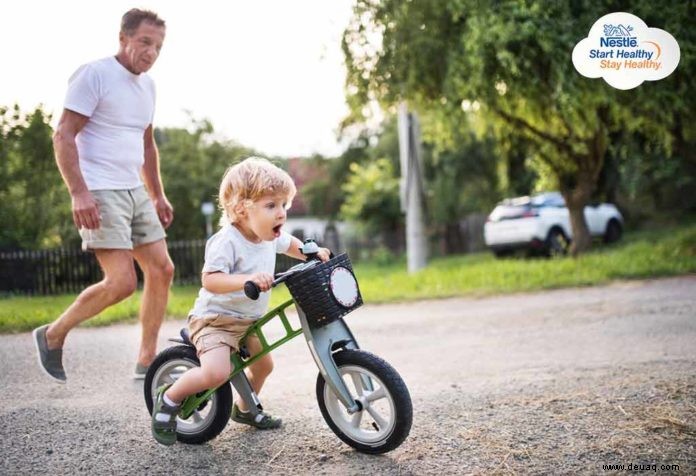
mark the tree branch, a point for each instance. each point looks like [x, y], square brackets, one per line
[560, 144]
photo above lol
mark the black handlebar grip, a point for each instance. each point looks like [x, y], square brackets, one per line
[251, 290]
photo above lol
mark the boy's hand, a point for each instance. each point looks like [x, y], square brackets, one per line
[262, 280]
[324, 254]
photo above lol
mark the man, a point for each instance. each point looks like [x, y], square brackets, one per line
[105, 150]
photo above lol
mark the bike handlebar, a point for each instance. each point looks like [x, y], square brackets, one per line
[253, 292]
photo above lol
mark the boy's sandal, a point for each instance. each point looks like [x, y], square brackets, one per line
[262, 421]
[164, 431]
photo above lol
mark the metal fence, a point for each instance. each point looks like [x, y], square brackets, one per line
[70, 270]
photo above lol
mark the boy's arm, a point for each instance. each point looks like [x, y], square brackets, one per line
[222, 283]
[294, 251]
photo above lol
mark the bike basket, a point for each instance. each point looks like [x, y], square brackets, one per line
[327, 291]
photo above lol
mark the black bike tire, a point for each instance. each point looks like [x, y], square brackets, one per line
[223, 395]
[391, 379]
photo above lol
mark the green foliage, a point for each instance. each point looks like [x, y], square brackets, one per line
[34, 202]
[461, 181]
[34, 205]
[372, 196]
[192, 166]
[322, 196]
[505, 67]
[667, 252]
[325, 196]
[460, 178]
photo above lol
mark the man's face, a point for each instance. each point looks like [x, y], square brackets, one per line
[140, 50]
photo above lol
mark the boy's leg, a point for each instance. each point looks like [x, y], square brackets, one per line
[158, 271]
[164, 414]
[258, 371]
[214, 370]
[119, 282]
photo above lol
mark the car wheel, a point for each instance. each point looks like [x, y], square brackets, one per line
[502, 253]
[557, 243]
[613, 231]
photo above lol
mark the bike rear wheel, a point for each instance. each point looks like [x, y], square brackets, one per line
[210, 418]
[386, 413]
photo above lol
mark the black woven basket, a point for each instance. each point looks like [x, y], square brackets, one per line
[311, 289]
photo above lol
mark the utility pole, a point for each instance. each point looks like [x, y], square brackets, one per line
[411, 188]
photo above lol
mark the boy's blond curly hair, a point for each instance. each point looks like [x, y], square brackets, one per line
[249, 180]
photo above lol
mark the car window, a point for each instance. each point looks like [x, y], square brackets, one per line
[551, 199]
[504, 212]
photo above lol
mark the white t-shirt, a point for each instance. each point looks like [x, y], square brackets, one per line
[120, 106]
[229, 252]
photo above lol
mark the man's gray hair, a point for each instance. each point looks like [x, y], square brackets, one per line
[134, 17]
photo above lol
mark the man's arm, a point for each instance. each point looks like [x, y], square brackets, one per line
[153, 179]
[84, 208]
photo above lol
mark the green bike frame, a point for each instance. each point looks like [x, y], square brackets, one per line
[322, 343]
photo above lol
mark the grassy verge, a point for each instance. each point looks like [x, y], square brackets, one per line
[640, 255]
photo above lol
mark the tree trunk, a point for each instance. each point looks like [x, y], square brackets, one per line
[581, 233]
[576, 199]
[578, 191]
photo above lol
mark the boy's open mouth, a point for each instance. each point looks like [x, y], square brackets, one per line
[276, 230]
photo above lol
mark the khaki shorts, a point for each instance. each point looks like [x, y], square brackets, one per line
[209, 332]
[128, 220]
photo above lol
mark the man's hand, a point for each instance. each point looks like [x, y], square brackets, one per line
[85, 211]
[262, 280]
[165, 211]
[324, 254]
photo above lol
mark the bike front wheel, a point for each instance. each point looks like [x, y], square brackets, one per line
[210, 418]
[384, 419]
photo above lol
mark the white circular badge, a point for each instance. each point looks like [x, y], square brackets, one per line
[344, 287]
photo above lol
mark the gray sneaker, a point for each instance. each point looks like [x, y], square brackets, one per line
[50, 361]
[140, 371]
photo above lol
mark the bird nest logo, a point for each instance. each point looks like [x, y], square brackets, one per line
[624, 51]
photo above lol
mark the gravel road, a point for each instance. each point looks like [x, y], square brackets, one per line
[562, 381]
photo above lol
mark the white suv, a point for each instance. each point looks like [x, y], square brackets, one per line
[542, 223]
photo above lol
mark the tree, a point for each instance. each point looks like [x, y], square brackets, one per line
[507, 66]
[192, 166]
[372, 198]
[460, 178]
[34, 204]
[460, 181]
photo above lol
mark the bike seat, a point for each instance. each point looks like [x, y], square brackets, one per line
[184, 333]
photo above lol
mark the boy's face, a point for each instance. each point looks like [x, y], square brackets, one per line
[265, 217]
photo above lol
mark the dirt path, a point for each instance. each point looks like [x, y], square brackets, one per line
[555, 382]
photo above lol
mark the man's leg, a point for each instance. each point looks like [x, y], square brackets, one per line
[119, 282]
[158, 271]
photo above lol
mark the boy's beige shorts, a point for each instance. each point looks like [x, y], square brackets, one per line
[209, 332]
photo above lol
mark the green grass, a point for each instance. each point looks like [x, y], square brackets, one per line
[640, 255]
